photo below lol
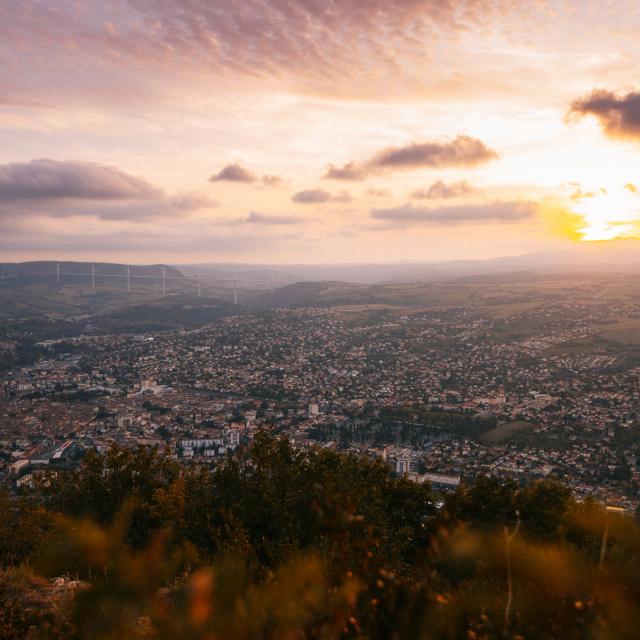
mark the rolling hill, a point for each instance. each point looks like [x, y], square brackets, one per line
[34, 299]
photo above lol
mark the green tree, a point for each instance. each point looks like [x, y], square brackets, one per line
[489, 502]
[543, 506]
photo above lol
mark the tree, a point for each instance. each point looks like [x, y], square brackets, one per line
[543, 506]
[489, 502]
[103, 484]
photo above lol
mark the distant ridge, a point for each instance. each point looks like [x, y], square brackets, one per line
[80, 273]
[125, 298]
[615, 256]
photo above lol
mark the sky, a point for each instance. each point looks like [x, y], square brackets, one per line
[316, 131]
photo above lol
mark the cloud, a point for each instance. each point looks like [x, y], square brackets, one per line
[135, 211]
[267, 219]
[62, 189]
[320, 196]
[344, 196]
[110, 210]
[378, 193]
[311, 196]
[477, 213]
[71, 180]
[579, 194]
[237, 173]
[619, 115]
[462, 151]
[322, 40]
[191, 201]
[234, 173]
[349, 171]
[179, 241]
[441, 190]
[271, 181]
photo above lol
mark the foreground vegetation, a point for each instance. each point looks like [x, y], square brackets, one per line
[279, 543]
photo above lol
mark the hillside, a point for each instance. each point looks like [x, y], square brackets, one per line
[277, 543]
[35, 300]
[32, 301]
[497, 294]
[107, 274]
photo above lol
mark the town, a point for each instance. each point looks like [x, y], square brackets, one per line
[442, 396]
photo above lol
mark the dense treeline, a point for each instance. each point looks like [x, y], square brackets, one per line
[280, 543]
[464, 423]
[24, 352]
[372, 431]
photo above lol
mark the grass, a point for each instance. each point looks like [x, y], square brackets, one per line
[506, 430]
[625, 331]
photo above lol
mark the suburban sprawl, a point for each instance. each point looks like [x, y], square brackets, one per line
[442, 395]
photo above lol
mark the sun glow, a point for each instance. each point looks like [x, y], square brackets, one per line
[607, 214]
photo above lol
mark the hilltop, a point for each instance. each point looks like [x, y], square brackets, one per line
[48, 299]
[278, 543]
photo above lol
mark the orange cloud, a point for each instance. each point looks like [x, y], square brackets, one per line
[462, 151]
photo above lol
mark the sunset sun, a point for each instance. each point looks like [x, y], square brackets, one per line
[608, 214]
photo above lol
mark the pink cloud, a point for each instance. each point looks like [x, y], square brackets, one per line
[320, 38]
